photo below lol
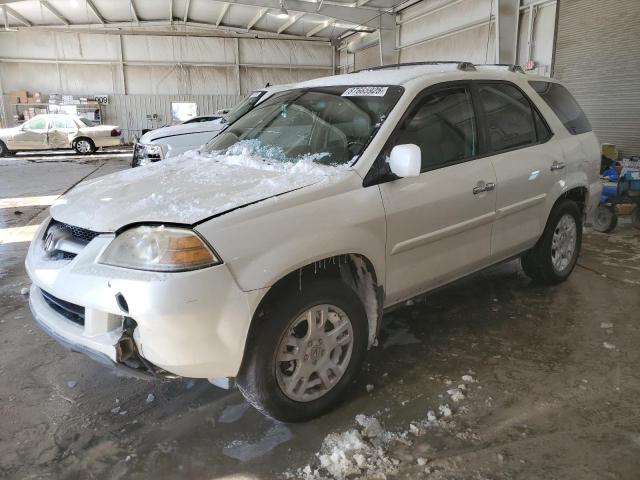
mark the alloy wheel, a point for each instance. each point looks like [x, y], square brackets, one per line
[563, 243]
[314, 353]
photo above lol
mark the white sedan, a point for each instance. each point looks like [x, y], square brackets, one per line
[53, 131]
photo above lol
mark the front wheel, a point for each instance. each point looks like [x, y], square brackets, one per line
[305, 351]
[84, 146]
[4, 151]
[553, 258]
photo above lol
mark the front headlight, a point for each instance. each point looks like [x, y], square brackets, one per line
[149, 153]
[159, 249]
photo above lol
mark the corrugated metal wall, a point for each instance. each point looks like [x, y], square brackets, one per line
[131, 112]
[143, 74]
[448, 30]
[598, 58]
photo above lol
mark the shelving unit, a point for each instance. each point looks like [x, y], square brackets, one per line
[24, 111]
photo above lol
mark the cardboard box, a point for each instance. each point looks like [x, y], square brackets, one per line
[610, 151]
[18, 96]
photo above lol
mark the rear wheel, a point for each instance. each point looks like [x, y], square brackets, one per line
[305, 351]
[553, 258]
[605, 219]
[4, 151]
[84, 146]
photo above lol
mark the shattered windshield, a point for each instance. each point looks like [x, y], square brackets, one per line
[329, 125]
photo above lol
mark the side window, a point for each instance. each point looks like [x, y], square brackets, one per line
[510, 120]
[57, 122]
[563, 105]
[443, 126]
[36, 124]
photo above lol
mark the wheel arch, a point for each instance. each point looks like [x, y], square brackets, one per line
[356, 270]
[82, 137]
[578, 194]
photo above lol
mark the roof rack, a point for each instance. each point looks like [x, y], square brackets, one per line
[464, 66]
[510, 67]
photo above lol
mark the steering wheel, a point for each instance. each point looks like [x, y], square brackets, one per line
[354, 143]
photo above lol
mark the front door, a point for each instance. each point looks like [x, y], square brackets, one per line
[439, 223]
[32, 135]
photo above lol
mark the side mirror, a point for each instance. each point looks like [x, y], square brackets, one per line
[405, 160]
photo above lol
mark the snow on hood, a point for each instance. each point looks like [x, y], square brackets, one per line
[212, 126]
[184, 189]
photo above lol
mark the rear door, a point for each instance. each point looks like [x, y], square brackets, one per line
[528, 161]
[32, 135]
[439, 223]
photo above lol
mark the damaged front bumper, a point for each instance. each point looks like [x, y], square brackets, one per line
[191, 324]
[106, 349]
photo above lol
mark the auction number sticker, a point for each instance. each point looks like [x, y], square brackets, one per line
[365, 92]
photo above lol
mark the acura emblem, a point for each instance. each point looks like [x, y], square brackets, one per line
[49, 242]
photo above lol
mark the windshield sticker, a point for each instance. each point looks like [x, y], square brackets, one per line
[365, 92]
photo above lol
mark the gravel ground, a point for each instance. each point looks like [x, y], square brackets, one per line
[547, 380]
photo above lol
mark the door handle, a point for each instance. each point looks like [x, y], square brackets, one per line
[557, 166]
[483, 187]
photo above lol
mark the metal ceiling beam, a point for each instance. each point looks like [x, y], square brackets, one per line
[186, 11]
[95, 11]
[198, 30]
[362, 3]
[292, 19]
[318, 28]
[134, 12]
[223, 12]
[373, 18]
[17, 16]
[54, 11]
[260, 13]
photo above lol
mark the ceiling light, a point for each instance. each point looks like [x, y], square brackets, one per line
[283, 13]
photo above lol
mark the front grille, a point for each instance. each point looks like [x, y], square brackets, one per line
[75, 238]
[69, 310]
[78, 233]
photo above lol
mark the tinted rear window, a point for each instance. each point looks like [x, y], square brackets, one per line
[563, 105]
[510, 122]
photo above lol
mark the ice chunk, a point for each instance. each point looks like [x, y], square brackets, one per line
[455, 394]
[444, 410]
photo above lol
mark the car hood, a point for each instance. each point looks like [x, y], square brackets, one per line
[213, 126]
[184, 190]
[9, 131]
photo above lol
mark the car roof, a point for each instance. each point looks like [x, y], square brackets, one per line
[402, 74]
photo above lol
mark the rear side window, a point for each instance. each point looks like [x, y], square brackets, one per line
[442, 124]
[509, 118]
[563, 105]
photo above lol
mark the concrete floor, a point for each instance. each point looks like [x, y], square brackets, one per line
[556, 393]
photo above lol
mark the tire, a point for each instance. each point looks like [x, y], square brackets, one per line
[549, 262]
[605, 219]
[263, 375]
[635, 217]
[84, 146]
[4, 151]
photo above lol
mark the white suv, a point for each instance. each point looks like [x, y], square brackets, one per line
[271, 257]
